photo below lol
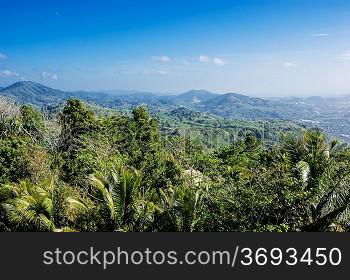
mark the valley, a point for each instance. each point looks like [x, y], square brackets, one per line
[231, 113]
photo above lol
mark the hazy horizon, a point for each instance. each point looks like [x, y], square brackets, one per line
[133, 91]
[262, 48]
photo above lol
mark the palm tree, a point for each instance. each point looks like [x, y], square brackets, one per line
[324, 178]
[180, 208]
[117, 193]
[32, 207]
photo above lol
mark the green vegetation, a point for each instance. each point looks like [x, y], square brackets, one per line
[232, 111]
[216, 132]
[80, 168]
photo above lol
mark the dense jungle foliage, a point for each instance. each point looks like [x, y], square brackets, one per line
[78, 170]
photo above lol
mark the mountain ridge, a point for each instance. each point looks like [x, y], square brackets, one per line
[228, 105]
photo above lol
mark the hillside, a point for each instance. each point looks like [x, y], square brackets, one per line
[195, 96]
[230, 105]
[233, 105]
[40, 95]
[33, 93]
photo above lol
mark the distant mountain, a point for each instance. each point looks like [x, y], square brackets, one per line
[88, 94]
[40, 95]
[229, 105]
[195, 96]
[236, 99]
[234, 105]
[33, 93]
[141, 97]
[118, 92]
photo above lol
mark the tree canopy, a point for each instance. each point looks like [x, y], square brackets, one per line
[78, 170]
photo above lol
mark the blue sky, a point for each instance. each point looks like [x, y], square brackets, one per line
[255, 47]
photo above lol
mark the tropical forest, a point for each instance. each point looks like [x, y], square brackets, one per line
[80, 166]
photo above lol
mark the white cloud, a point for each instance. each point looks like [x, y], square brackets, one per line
[204, 58]
[8, 73]
[49, 76]
[162, 58]
[215, 60]
[320, 34]
[219, 61]
[345, 56]
[289, 65]
[163, 73]
[3, 56]
[186, 62]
